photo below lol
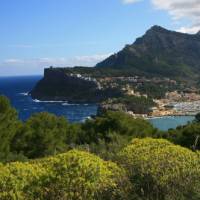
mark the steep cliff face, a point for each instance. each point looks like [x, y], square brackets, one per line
[58, 85]
[159, 52]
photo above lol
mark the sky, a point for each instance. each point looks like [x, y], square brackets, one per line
[35, 34]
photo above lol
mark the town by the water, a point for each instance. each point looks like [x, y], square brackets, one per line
[180, 102]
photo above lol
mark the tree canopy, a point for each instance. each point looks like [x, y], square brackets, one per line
[8, 126]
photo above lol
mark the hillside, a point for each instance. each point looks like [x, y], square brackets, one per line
[159, 52]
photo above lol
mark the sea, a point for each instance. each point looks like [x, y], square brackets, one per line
[17, 89]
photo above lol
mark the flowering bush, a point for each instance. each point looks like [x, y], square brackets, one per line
[161, 170]
[73, 175]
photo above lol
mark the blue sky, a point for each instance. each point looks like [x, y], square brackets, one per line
[39, 33]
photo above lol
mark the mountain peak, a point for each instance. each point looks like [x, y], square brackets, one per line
[157, 28]
[160, 52]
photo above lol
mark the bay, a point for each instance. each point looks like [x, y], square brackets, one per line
[168, 122]
[17, 88]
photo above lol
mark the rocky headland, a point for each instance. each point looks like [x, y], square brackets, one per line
[135, 79]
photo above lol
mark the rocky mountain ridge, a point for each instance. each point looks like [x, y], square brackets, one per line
[159, 52]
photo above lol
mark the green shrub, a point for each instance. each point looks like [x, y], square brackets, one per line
[20, 181]
[8, 127]
[186, 136]
[115, 122]
[160, 170]
[43, 134]
[74, 175]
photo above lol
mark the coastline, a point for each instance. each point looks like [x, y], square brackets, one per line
[145, 116]
[180, 109]
[64, 103]
[169, 116]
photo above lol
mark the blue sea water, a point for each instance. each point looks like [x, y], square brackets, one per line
[16, 89]
[165, 123]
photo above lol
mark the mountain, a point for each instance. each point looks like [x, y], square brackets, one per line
[159, 52]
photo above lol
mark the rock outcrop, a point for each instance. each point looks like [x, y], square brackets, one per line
[58, 85]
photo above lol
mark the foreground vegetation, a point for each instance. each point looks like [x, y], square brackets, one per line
[112, 156]
[73, 175]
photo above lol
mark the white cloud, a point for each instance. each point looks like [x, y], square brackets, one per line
[130, 1]
[182, 10]
[15, 66]
[91, 59]
[13, 61]
[191, 30]
[77, 60]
